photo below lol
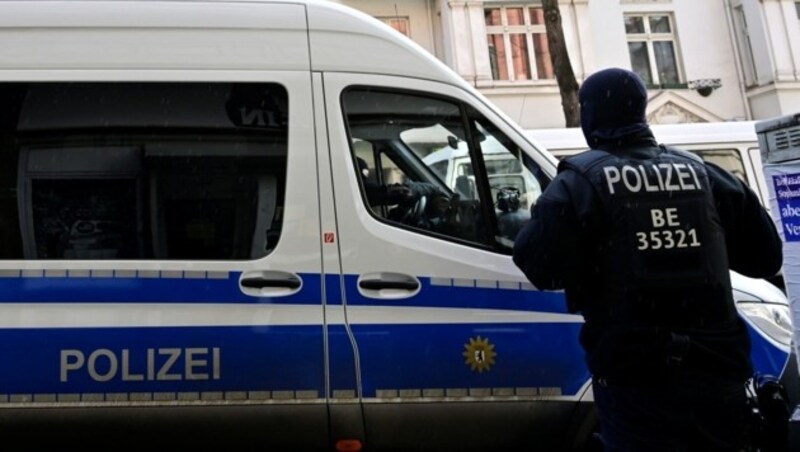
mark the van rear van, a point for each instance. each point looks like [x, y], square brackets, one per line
[190, 248]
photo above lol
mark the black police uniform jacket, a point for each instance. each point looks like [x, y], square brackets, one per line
[641, 238]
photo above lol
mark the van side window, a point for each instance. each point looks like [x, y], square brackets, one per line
[515, 184]
[436, 166]
[141, 170]
[728, 159]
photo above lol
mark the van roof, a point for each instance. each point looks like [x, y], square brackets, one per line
[705, 132]
[674, 134]
[208, 35]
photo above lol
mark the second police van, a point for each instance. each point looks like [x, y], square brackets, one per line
[186, 239]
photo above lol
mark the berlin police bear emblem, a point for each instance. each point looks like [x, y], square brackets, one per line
[479, 354]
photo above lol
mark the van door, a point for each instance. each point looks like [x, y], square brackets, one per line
[160, 247]
[456, 351]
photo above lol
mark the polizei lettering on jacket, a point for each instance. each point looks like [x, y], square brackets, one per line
[657, 177]
[161, 364]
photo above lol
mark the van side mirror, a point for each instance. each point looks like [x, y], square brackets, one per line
[452, 141]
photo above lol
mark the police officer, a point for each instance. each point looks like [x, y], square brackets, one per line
[511, 216]
[641, 238]
[405, 196]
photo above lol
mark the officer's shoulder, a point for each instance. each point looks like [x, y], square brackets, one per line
[583, 161]
[682, 153]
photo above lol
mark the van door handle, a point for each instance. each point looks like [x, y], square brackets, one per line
[378, 284]
[260, 283]
[270, 283]
[387, 285]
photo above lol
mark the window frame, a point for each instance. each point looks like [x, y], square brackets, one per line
[718, 155]
[649, 38]
[745, 47]
[392, 20]
[485, 242]
[128, 146]
[527, 28]
[469, 116]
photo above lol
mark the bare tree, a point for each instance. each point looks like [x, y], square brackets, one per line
[559, 56]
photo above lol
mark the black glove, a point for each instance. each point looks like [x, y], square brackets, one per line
[398, 194]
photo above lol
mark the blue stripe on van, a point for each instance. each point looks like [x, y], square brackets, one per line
[145, 290]
[226, 290]
[333, 288]
[286, 358]
[433, 356]
[767, 359]
[342, 360]
[290, 358]
[465, 296]
[111, 360]
[392, 356]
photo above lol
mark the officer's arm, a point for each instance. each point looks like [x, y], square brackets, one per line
[754, 246]
[424, 189]
[547, 247]
[376, 194]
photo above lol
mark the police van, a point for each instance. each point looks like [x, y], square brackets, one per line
[187, 247]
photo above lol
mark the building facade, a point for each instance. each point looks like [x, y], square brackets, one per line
[703, 60]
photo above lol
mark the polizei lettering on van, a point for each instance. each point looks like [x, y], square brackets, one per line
[661, 177]
[163, 364]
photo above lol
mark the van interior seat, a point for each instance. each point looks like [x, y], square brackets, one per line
[465, 187]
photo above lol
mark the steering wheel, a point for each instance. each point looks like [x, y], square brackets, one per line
[415, 214]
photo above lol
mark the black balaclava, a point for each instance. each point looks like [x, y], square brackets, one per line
[613, 103]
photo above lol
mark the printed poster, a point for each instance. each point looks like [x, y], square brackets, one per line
[783, 182]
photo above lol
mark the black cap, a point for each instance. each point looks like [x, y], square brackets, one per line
[613, 104]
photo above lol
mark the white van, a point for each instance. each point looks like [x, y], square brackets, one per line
[453, 162]
[188, 250]
[731, 145]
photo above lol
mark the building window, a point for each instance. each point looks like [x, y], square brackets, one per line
[518, 43]
[401, 24]
[652, 47]
[744, 46]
